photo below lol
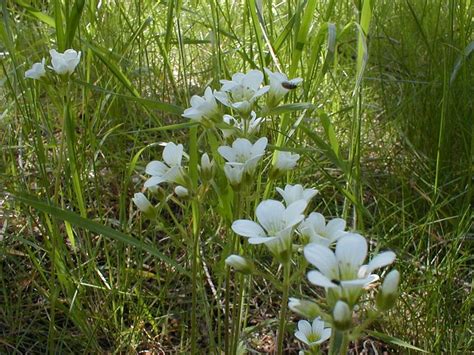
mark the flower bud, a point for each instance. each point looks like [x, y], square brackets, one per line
[234, 174]
[388, 294]
[342, 316]
[285, 161]
[181, 191]
[143, 204]
[306, 309]
[207, 167]
[240, 264]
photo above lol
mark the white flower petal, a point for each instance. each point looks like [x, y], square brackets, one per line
[247, 228]
[294, 212]
[323, 258]
[302, 337]
[305, 327]
[156, 168]
[259, 146]
[262, 240]
[325, 335]
[154, 181]
[351, 251]
[173, 154]
[269, 214]
[318, 279]
[335, 226]
[381, 260]
[227, 153]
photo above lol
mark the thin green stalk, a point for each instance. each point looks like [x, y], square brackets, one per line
[193, 163]
[236, 319]
[339, 343]
[284, 305]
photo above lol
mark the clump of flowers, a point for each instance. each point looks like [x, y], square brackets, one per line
[61, 63]
[337, 256]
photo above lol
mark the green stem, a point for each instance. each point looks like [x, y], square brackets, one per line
[238, 317]
[339, 343]
[193, 172]
[284, 305]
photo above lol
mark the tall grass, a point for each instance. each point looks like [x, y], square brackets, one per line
[387, 139]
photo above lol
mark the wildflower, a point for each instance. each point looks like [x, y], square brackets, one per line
[280, 86]
[170, 170]
[293, 193]
[312, 334]
[240, 264]
[202, 107]
[242, 91]
[243, 152]
[286, 161]
[37, 70]
[181, 191]
[64, 63]
[234, 173]
[142, 203]
[304, 308]
[341, 272]
[314, 228]
[274, 227]
[388, 294]
[245, 126]
[342, 315]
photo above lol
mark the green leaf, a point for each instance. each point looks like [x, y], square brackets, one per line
[94, 227]
[73, 21]
[290, 108]
[461, 60]
[37, 13]
[105, 57]
[395, 341]
[165, 107]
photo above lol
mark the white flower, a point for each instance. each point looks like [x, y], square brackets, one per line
[64, 63]
[312, 334]
[242, 91]
[315, 228]
[142, 202]
[37, 70]
[202, 107]
[244, 152]
[170, 170]
[275, 224]
[234, 173]
[245, 126]
[181, 191]
[293, 193]
[239, 263]
[343, 271]
[286, 161]
[280, 85]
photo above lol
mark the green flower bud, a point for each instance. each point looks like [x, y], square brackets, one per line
[388, 294]
[306, 309]
[342, 316]
[240, 264]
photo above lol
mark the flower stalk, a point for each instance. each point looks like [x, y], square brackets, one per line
[284, 304]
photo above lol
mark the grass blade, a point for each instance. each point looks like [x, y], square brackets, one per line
[95, 227]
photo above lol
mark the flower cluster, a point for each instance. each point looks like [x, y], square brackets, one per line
[337, 256]
[61, 63]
